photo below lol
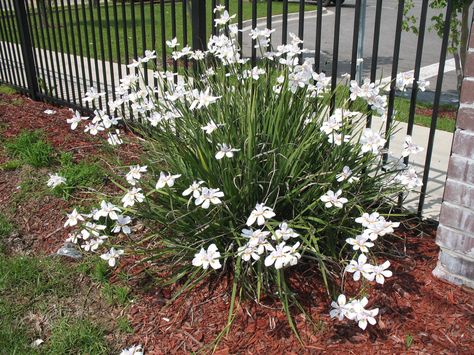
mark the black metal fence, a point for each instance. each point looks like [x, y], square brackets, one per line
[55, 50]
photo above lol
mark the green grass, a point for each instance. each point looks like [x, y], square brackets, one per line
[408, 341]
[124, 326]
[402, 110]
[5, 226]
[30, 277]
[44, 287]
[71, 336]
[14, 339]
[31, 148]
[91, 27]
[116, 294]
[402, 106]
[24, 282]
[82, 174]
[95, 269]
[11, 165]
[32, 186]
[6, 90]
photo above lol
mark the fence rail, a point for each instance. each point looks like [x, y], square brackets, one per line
[54, 50]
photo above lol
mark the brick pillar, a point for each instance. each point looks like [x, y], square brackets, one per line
[455, 234]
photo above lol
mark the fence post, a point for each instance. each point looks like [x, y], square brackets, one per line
[198, 22]
[26, 48]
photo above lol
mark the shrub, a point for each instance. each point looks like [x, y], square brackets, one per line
[31, 148]
[251, 171]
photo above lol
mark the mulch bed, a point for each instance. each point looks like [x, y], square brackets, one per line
[22, 113]
[449, 113]
[40, 221]
[437, 316]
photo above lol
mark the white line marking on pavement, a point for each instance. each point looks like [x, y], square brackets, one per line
[291, 17]
[429, 71]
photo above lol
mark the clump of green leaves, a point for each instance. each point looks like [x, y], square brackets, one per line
[116, 294]
[30, 147]
[5, 226]
[11, 165]
[78, 175]
[256, 186]
[5, 230]
[7, 90]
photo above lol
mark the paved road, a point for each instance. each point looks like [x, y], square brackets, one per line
[431, 52]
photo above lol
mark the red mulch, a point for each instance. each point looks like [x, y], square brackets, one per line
[442, 112]
[25, 114]
[19, 113]
[437, 315]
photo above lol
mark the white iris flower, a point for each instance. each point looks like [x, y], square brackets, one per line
[206, 258]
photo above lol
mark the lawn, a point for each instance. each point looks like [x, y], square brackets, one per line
[93, 27]
[38, 302]
[446, 113]
[446, 121]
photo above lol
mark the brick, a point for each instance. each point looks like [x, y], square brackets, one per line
[453, 239]
[461, 169]
[457, 265]
[463, 143]
[469, 66]
[459, 193]
[455, 234]
[467, 92]
[465, 119]
[457, 217]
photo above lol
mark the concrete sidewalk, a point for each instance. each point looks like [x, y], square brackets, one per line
[438, 168]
